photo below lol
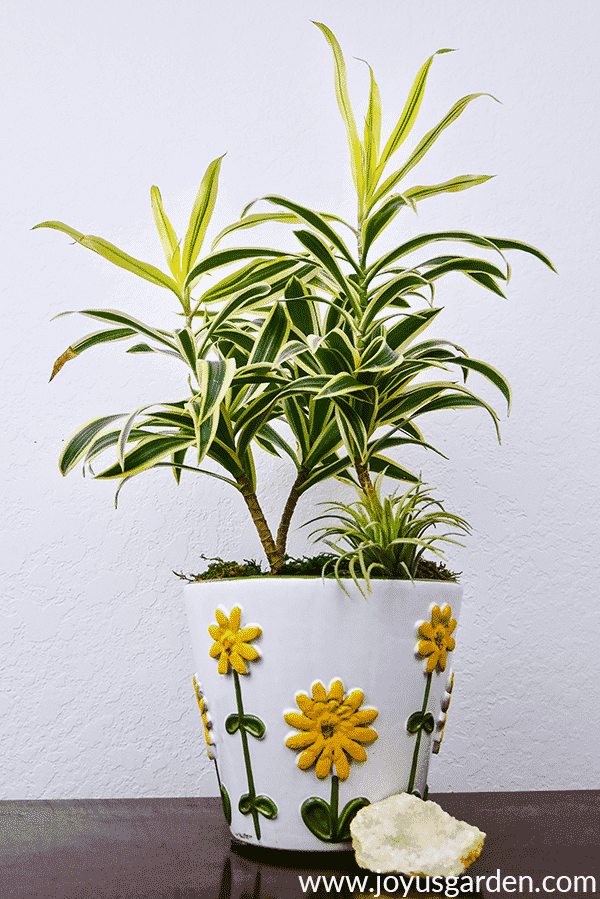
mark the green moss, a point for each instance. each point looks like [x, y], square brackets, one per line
[218, 570]
[307, 566]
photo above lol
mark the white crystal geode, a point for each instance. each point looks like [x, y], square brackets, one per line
[406, 835]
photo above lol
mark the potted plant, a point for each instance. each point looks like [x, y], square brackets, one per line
[315, 354]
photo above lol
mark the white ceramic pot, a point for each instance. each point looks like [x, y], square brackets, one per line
[332, 705]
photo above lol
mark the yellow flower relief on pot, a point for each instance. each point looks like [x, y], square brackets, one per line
[436, 637]
[232, 645]
[332, 728]
[206, 720]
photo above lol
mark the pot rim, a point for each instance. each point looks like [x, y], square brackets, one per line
[314, 577]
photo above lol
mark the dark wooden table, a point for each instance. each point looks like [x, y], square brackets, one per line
[181, 849]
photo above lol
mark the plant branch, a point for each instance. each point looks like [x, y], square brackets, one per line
[274, 557]
[364, 479]
[290, 506]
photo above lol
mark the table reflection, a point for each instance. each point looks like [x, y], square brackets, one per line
[249, 873]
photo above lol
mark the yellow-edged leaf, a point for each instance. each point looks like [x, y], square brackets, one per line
[341, 92]
[201, 213]
[167, 235]
[409, 113]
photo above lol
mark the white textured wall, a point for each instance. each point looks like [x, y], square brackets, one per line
[100, 101]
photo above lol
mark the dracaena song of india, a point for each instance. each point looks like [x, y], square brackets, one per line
[317, 354]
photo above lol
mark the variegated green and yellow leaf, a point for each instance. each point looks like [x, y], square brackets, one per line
[379, 356]
[341, 92]
[321, 252]
[320, 412]
[404, 332]
[391, 293]
[462, 182]
[253, 413]
[324, 443]
[502, 243]
[145, 456]
[462, 264]
[424, 145]
[409, 113]
[186, 344]
[251, 221]
[405, 403]
[322, 473]
[121, 318]
[328, 216]
[84, 343]
[60, 226]
[382, 465]
[108, 439]
[296, 419]
[272, 336]
[214, 380]
[486, 280]
[167, 235]
[243, 301]
[123, 260]
[177, 460]
[117, 256]
[372, 135]
[78, 444]
[380, 219]
[268, 439]
[201, 214]
[461, 400]
[340, 385]
[146, 348]
[264, 272]
[126, 432]
[261, 409]
[488, 371]
[316, 221]
[290, 350]
[227, 257]
[339, 349]
[423, 240]
[301, 308]
[260, 373]
[352, 428]
[205, 434]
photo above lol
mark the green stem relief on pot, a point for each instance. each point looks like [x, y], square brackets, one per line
[251, 789]
[335, 796]
[250, 803]
[419, 724]
[225, 801]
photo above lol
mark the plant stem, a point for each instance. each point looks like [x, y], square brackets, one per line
[251, 788]
[413, 770]
[274, 557]
[286, 518]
